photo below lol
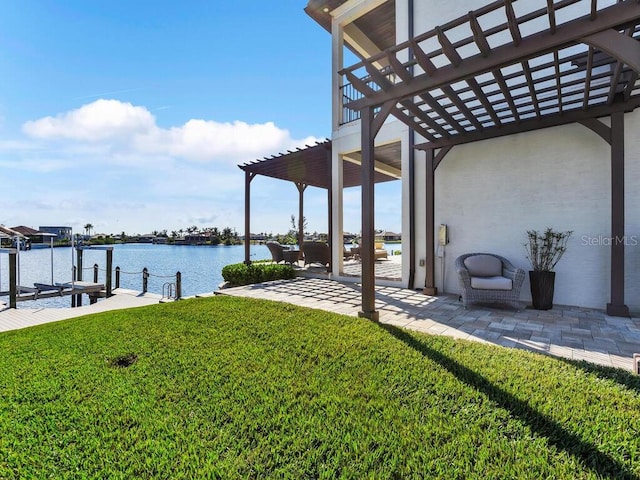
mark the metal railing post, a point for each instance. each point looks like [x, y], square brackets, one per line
[178, 285]
[95, 273]
[117, 277]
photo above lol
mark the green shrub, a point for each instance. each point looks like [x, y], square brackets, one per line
[242, 274]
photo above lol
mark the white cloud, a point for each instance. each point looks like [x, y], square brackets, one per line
[132, 130]
[205, 140]
[101, 120]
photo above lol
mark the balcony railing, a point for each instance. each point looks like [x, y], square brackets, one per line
[349, 94]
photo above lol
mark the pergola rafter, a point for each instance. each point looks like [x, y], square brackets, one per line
[542, 74]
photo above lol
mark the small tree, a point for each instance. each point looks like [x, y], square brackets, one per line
[545, 249]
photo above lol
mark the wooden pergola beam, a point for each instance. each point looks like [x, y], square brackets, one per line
[531, 124]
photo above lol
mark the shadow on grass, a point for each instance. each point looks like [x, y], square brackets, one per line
[622, 377]
[599, 462]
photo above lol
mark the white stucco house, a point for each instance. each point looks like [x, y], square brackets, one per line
[497, 118]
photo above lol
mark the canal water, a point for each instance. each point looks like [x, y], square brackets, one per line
[200, 267]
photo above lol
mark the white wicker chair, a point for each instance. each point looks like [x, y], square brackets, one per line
[483, 280]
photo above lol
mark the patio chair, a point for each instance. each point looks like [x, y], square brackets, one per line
[380, 253]
[316, 252]
[488, 278]
[347, 253]
[276, 250]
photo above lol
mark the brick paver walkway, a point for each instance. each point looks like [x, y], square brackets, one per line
[569, 332]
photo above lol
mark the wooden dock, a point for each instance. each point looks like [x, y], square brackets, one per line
[14, 319]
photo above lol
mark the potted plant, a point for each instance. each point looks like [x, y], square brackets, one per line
[544, 250]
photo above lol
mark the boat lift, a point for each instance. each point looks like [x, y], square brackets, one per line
[75, 288]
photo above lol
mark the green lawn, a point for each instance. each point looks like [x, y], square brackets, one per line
[236, 388]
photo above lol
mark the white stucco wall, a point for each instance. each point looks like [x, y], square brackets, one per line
[490, 193]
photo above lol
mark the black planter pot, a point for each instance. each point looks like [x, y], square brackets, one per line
[542, 289]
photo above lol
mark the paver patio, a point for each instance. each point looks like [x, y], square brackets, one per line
[569, 332]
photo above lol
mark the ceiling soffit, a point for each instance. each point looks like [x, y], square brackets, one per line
[379, 25]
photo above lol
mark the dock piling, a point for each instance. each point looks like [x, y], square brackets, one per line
[145, 279]
[13, 282]
[108, 274]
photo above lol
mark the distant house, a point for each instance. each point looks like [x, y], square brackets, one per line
[146, 238]
[256, 237]
[7, 236]
[61, 233]
[34, 237]
[391, 236]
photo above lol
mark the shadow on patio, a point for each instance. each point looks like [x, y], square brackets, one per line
[568, 332]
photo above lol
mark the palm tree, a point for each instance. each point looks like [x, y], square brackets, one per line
[87, 229]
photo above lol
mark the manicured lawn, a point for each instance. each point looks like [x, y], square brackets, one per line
[236, 388]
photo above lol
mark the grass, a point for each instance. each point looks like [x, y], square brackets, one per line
[237, 388]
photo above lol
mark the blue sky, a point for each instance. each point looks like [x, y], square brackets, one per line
[133, 115]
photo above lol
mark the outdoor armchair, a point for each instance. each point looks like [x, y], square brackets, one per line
[316, 252]
[276, 250]
[488, 278]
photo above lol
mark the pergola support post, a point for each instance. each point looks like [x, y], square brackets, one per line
[368, 217]
[430, 277]
[617, 307]
[248, 176]
[301, 188]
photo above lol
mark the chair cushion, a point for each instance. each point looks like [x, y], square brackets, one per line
[491, 283]
[483, 266]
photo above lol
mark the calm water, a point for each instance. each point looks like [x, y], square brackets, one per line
[200, 266]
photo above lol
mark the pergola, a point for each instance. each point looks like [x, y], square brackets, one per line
[311, 166]
[502, 70]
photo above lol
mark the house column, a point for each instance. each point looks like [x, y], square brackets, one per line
[248, 176]
[330, 207]
[617, 307]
